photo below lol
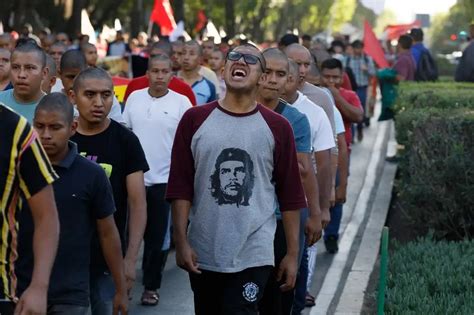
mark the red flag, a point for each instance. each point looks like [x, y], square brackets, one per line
[201, 21]
[372, 46]
[395, 31]
[162, 15]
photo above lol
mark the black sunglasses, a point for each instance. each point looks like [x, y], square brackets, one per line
[249, 59]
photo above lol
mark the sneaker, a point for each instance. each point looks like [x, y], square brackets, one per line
[331, 244]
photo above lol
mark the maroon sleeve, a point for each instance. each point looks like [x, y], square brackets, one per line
[286, 174]
[402, 67]
[136, 84]
[182, 88]
[181, 178]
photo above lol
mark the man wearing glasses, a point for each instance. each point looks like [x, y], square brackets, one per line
[228, 246]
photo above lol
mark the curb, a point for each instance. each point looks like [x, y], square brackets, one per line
[352, 297]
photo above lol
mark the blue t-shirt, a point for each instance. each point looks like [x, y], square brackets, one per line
[416, 51]
[205, 91]
[301, 130]
[26, 110]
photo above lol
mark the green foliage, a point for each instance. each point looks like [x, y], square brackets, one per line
[435, 123]
[458, 19]
[429, 277]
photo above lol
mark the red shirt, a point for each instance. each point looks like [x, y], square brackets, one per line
[352, 98]
[175, 84]
[346, 81]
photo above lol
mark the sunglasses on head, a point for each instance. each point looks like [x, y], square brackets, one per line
[249, 59]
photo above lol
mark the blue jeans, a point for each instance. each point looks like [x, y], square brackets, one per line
[299, 301]
[362, 94]
[332, 229]
[102, 293]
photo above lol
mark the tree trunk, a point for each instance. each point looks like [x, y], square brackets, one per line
[137, 17]
[230, 18]
[178, 9]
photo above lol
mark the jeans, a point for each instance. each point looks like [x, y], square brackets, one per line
[299, 301]
[362, 94]
[332, 229]
[102, 293]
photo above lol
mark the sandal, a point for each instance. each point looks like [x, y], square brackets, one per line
[150, 298]
[310, 300]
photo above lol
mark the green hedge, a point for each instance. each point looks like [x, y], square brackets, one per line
[428, 277]
[436, 184]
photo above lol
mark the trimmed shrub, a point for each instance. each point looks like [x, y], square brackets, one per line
[435, 123]
[428, 277]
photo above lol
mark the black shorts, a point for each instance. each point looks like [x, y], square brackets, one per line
[229, 293]
[7, 308]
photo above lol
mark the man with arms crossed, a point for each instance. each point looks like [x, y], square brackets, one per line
[85, 203]
[119, 152]
[228, 183]
[26, 177]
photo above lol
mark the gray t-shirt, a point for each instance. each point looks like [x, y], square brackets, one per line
[322, 98]
[235, 169]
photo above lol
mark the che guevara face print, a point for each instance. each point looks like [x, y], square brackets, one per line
[233, 179]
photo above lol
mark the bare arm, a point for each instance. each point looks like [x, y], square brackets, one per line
[112, 250]
[186, 258]
[343, 169]
[45, 243]
[138, 216]
[324, 176]
[313, 226]
[351, 113]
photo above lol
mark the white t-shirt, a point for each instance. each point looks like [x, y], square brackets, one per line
[339, 123]
[154, 121]
[322, 137]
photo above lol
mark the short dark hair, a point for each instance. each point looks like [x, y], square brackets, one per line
[164, 45]
[357, 44]
[159, 57]
[73, 59]
[276, 53]
[57, 102]
[192, 42]
[417, 34]
[288, 39]
[405, 41]
[306, 37]
[219, 51]
[51, 64]
[331, 63]
[91, 73]
[29, 47]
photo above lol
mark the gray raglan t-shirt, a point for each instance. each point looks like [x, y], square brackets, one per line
[235, 169]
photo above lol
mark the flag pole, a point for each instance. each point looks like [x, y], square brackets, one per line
[150, 27]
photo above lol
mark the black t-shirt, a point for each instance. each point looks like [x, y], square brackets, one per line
[83, 195]
[120, 154]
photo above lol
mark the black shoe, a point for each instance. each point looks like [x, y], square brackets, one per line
[331, 244]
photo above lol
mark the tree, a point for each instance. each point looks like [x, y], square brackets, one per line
[387, 17]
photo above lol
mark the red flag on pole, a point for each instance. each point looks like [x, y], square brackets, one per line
[372, 46]
[162, 15]
[201, 21]
[395, 31]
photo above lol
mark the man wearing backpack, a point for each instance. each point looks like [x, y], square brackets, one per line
[426, 69]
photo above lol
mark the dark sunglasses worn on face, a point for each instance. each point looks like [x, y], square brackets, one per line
[249, 59]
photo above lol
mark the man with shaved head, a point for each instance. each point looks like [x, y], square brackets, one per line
[204, 89]
[321, 97]
[120, 154]
[232, 160]
[28, 70]
[6, 41]
[274, 300]
[153, 115]
[175, 84]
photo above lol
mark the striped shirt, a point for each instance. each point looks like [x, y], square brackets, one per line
[24, 171]
[355, 63]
